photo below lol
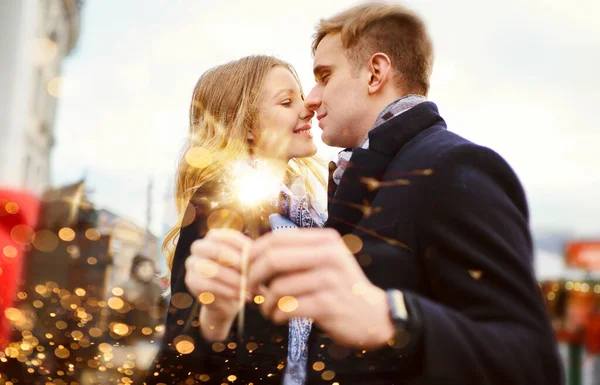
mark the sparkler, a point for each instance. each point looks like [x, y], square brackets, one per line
[255, 183]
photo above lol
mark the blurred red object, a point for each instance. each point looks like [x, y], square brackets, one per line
[583, 254]
[593, 333]
[19, 212]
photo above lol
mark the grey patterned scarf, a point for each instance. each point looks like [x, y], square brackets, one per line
[392, 110]
[304, 211]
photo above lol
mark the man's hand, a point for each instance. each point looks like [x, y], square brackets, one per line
[311, 273]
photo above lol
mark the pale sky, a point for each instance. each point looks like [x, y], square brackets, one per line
[520, 77]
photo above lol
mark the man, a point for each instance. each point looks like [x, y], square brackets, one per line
[434, 282]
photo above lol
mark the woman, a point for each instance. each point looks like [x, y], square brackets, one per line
[248, 114]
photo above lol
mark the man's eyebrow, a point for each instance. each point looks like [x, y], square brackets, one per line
[318, 70]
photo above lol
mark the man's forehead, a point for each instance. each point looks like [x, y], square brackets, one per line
[328, 49]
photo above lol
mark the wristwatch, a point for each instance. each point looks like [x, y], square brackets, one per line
[401, 319]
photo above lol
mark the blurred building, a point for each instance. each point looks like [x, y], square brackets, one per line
[35, 37]
[126, 241]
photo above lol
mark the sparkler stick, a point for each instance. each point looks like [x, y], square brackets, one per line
[255, 185]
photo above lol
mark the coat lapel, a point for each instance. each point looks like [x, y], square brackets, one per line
[352, 199]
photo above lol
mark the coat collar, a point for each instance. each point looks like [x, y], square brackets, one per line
[349, 202]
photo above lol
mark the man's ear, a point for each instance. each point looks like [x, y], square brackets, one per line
[379, 67]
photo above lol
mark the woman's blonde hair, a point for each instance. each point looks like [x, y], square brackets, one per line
[224, 109]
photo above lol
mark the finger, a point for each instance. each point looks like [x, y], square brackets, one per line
[222, 253]
[297, 285]
[293, 237]
[286, 260]
[219, 290]
[233, 238]
[308, 306]
[207, 269]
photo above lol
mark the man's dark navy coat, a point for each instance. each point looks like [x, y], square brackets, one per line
[445, 221]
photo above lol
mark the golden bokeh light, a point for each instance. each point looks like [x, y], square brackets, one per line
[206, 298]
[146, 331]
[120, 329]
[188, 216]
[117, 291]
[184, 344]
[95, 332]
[115, 303]
[353, 243]
[218, 347]
[13, 314]
[259, 299]
[475, 274]
[318, 366]
[251, 346]
[73, 251]
[70, 302]
[22, 234]
[10, 251]
[45, 241]
[328, 375]
[76, 334]
[66, 234]
[231, 378]
[198, 157]
[61, 325]
[287, 304]
[11, 207]
[105, 348]
[62, 352]
[181, 300]
[54, 86]
[93, 234]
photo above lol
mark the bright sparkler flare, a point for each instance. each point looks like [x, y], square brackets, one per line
[254, 184]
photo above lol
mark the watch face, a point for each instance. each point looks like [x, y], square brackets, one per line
[400, 340]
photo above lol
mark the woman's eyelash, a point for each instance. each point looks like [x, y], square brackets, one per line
[286, 102]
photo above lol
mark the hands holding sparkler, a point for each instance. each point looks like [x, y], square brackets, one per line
[300, 273]
[214, 276]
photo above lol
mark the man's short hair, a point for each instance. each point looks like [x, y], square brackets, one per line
[391, 29]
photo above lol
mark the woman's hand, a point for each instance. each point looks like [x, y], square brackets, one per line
[213, 275]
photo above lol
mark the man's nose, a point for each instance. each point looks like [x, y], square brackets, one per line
[313, 100]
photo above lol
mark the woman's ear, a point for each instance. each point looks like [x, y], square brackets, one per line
[250, 136]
